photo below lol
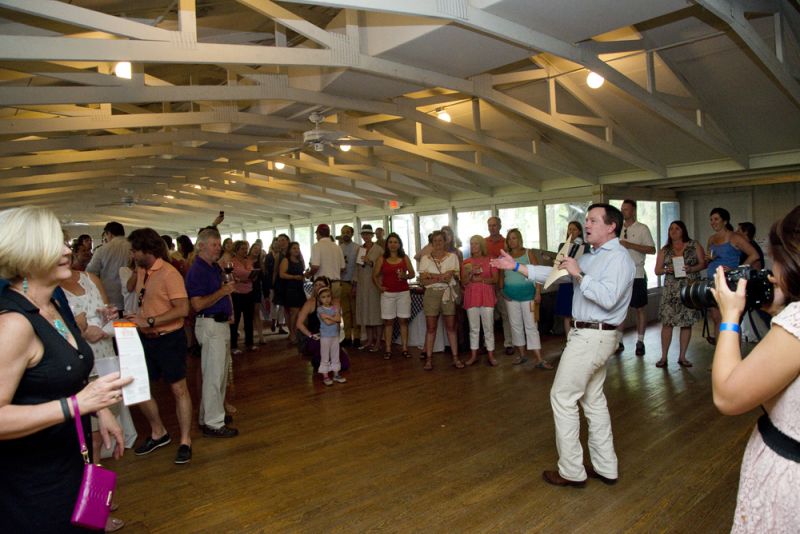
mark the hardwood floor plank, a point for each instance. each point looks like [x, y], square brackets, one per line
[397, 449]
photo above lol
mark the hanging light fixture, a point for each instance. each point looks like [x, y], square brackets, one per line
[279, 165]
[123, 70]
[443, 115]
[594, 80]
[345, 148]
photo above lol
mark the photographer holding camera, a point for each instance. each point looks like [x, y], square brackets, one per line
[768, 500]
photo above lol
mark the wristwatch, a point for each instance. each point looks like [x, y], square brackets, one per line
[151, 322]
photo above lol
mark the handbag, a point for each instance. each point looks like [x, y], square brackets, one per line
[97, 487]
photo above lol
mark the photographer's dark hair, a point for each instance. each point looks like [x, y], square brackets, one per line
[612, 215]
[148, 241]
[400, 252]
[784, 247]
[684, 234]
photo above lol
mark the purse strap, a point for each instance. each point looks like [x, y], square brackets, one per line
[79, 429]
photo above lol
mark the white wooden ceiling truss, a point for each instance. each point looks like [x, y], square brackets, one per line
[220, 92]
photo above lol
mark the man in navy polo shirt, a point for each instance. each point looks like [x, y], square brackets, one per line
[210, 298]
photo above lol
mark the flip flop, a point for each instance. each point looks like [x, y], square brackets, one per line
[662, 364]
[519, 360]
[544, 365]
[458, 364]
[405, 354]
[428, 366]
[685, 363]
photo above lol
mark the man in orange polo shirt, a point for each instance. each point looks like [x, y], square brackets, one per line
[163, 305]
[495, 242]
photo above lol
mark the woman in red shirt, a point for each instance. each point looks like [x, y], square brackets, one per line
[391, 274]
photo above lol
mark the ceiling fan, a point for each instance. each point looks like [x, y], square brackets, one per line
[321, 140]
[129, 201]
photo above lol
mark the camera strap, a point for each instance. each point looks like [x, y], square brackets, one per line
[776, 440]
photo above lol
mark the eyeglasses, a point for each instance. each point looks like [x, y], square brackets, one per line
[625, 233]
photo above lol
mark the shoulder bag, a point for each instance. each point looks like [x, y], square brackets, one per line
[97, 487]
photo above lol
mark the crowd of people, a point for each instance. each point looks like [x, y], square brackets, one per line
[194, 299]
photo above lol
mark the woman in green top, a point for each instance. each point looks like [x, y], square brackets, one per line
[520, 296]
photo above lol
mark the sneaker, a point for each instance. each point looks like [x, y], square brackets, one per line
[184, 454]
[222, 432]
[640, 348]
[339, 378]
[327, 381]
[151, 444]
[620, 349]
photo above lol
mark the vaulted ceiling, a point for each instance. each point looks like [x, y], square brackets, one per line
[696, 93]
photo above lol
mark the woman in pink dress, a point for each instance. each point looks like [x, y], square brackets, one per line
[768, 499]
[479, 279]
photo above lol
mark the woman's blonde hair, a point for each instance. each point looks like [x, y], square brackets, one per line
[31, 241]
[481, 243]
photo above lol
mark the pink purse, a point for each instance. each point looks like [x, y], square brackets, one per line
[97, 487]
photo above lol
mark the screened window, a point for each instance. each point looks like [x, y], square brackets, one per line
[403, 225]
[430, 223]
[303, 236]
[472, 223]
[525, 219]
[558, 218]
[266, 238]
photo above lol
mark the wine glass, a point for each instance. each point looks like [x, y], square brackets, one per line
[228, 268]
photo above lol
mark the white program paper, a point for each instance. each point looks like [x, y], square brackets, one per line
[132, 363]
[678, 267]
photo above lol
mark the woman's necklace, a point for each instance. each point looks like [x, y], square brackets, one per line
[57, 323]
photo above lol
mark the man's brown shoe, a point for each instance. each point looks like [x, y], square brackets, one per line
[552, 477]
[590, 472]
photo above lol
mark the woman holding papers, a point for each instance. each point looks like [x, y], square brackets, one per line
[681, 261]
[43, 362]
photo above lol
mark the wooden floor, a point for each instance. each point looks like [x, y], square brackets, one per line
[397, 449]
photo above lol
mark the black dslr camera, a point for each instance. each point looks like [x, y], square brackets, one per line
[759, 291]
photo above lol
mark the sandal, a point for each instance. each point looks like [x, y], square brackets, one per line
[428, 365]
[374, 348]
[519, 360]
[492, 362]
[387, 355]
[472, 361]
[684, 363]
[458, 364]
[662, 364]
[405, 354]
[113, 524]
[544, 364]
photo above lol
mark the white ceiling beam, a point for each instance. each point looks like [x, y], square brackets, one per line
[289, 20]
[483, 21]
[87, 18]
[732, 13]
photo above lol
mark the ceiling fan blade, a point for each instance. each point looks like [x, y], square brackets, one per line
[144, 202]
[358, 142]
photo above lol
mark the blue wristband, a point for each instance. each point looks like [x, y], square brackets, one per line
[516, 267]
[733, 327]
